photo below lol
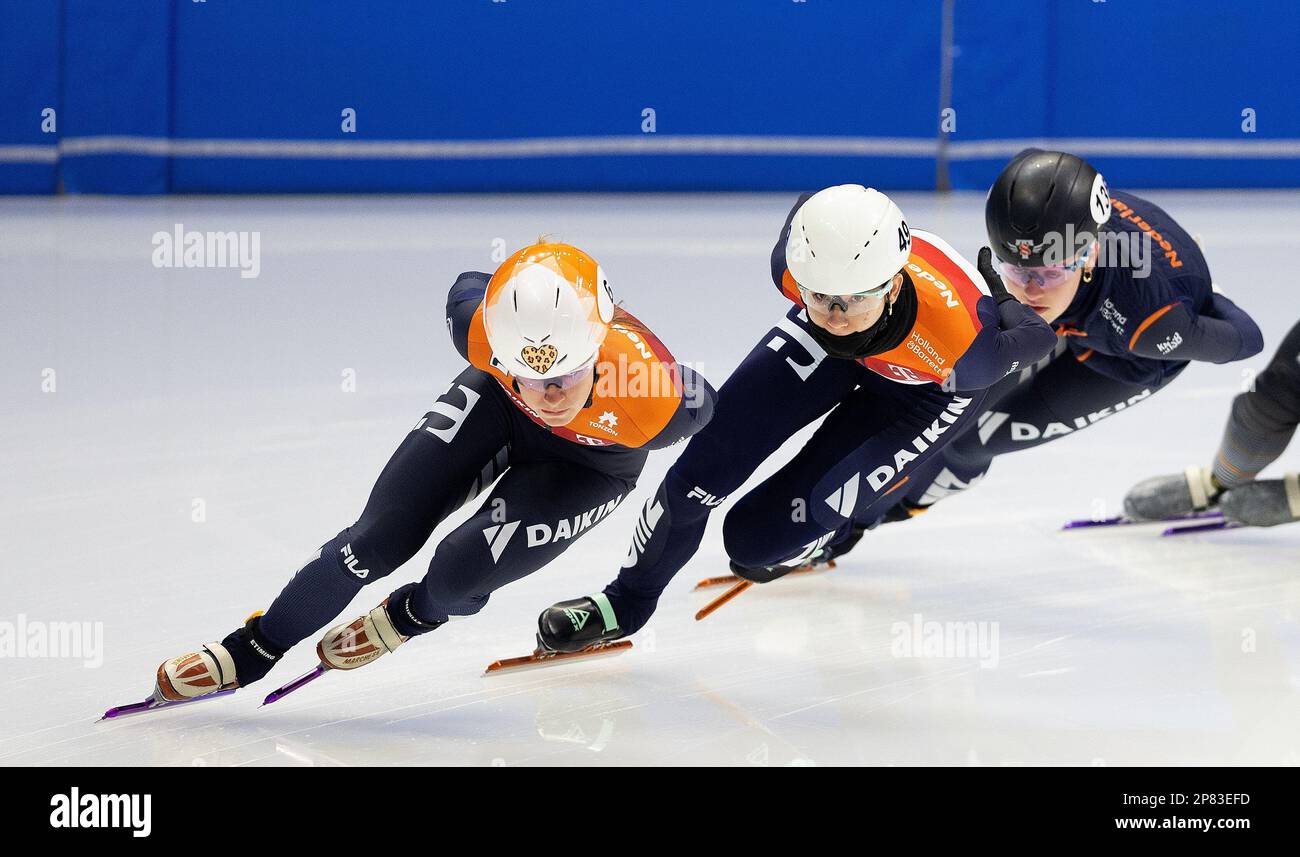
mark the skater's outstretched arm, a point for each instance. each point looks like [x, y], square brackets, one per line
[1145, 304]
[1221, 333]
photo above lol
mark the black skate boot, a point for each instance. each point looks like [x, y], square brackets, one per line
[580, 628]
[835, 550]
[571, 626]
[823, 560]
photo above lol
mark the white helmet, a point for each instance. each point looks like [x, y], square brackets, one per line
[546, 311]
[847, 239]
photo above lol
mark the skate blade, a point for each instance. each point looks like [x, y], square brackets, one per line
[151, 705]
[707, 609]
[285, 689]
[732, 580]
[1206, 527]
[1121, 521]
[546, 659]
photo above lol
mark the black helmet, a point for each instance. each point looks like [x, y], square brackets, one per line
[1040, 194]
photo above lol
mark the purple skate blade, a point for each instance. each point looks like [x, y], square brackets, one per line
[1197, 528]
[1121, 521]
[154, 705]
[1087, 522]
[281, 692]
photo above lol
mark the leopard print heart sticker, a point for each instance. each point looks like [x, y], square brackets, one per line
[540, 360]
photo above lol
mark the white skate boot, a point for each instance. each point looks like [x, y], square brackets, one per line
[195, 674]
[210, 669]
[357, 643]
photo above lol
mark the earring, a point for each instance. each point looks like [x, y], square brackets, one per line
[1087, 275]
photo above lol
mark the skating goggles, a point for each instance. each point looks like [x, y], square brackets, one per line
[851, 305]
[1046, 276]
[566, 381]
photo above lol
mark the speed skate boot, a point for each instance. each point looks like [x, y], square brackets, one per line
[366, 638]
[825, 557]
[571, 626]
[357, 643]
[1266, 503]
[243, 657]
[1173, 496]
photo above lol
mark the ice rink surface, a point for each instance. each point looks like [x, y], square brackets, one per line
[183, 394]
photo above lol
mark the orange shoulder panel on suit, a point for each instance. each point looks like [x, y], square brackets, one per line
[946, 321]
[637, 389]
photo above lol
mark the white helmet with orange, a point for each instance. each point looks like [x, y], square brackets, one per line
[546, 311]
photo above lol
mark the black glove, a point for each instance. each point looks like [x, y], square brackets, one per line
[997, 289]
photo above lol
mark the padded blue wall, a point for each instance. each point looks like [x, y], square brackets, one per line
[246, 96]
[29, 85]
[1127, 76]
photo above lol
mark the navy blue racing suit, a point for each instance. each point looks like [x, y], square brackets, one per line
[886, 416]
[1127, 334]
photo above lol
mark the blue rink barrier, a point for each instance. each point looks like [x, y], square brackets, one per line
[240, 96]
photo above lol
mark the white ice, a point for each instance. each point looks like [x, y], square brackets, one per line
[178, 387]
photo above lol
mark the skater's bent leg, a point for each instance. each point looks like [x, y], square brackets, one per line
[784, 383]
[1264, 419]
[533, 514]
[434, 470]
[668, 533]
[838, 477]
